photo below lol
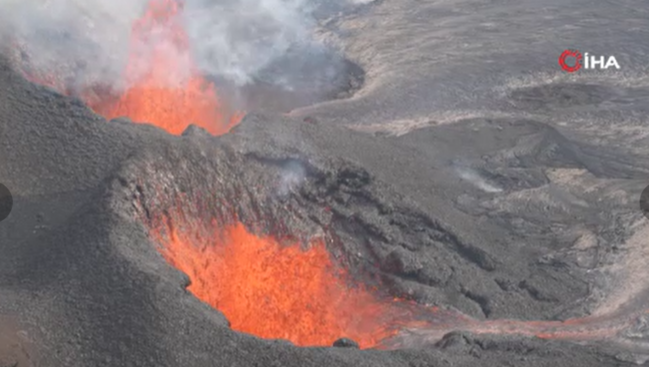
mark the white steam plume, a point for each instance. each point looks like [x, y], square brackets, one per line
[236, 39]
[478, 181]
[71, 39]
[292, 176]
[88, 40]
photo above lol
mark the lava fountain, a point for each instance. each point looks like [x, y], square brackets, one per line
[164, 86]
[161, 84]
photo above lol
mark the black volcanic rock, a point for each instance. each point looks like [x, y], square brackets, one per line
[193, 130]
[345, 343]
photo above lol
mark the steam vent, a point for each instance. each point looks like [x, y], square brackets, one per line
[306, 183]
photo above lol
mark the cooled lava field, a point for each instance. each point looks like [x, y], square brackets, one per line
[323, 183]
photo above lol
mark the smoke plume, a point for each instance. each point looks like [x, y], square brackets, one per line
[239, 42]
[292, 176]
[238, 39]
[478, 181]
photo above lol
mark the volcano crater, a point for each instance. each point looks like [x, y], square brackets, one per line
[322, 228]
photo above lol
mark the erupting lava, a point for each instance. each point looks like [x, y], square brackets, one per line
[276, 291]
[164, 87]
[161, 84]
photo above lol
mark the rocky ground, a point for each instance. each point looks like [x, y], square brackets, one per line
[502, 191]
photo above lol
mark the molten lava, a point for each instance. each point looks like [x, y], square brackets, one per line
[164, 86]
[161, 84]
[277, 291]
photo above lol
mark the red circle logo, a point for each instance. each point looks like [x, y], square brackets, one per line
[570, 53]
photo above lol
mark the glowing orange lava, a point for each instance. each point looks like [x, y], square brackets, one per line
[164, 87]
[161, 84]
[276, 291]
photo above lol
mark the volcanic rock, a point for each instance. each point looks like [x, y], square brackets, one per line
[345, 343]
[503, 197]
[193, 130]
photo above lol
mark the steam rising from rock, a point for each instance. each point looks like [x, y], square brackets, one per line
[292, 176]
[474, 177]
